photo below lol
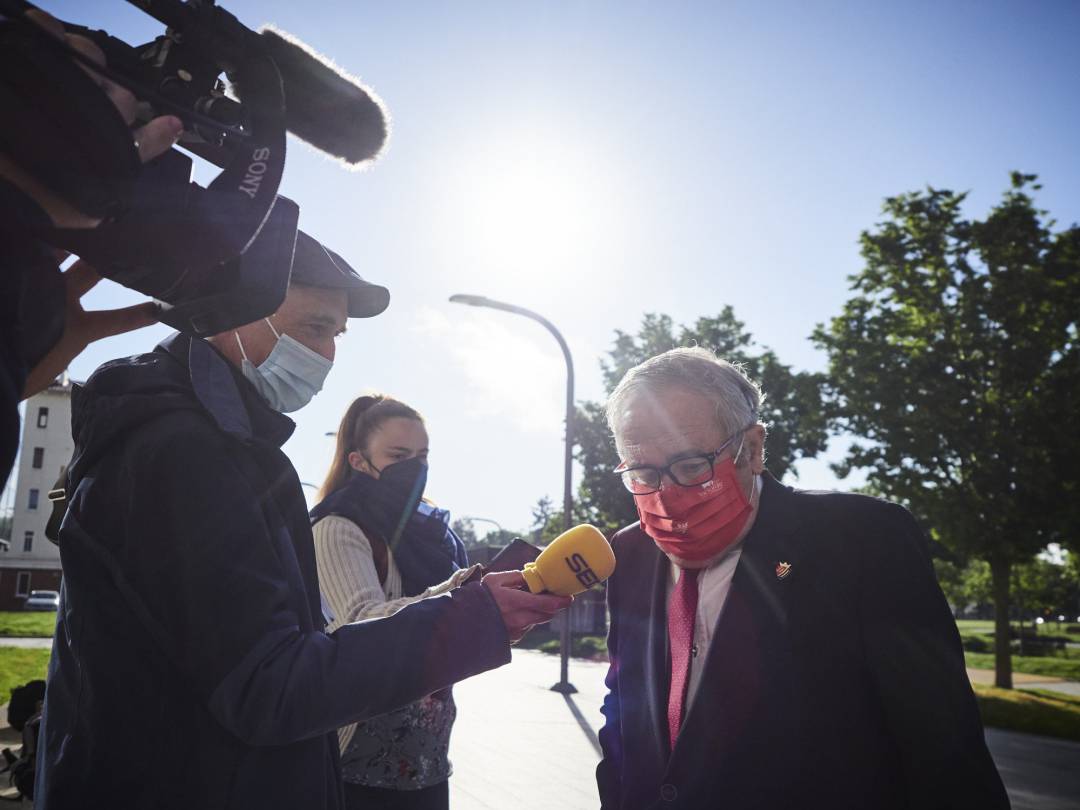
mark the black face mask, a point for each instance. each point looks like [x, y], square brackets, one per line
[401, 486]
[425, 549]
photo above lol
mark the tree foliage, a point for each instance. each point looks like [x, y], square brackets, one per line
[793, 409]
[1044, 589]
[956, 363]
[542, 513]
[466, 530]
[965, 586]
[501, 537]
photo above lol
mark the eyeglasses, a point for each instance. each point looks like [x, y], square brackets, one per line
[686, 472]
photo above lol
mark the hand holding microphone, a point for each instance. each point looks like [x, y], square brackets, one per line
[575, 561]
[520, 609]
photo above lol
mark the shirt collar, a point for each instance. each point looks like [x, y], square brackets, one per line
[231, 400]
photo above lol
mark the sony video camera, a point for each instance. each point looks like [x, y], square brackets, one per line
[215, 257]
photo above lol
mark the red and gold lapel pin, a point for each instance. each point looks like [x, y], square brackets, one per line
[782, 570]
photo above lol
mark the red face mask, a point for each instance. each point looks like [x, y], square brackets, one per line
[700, 522]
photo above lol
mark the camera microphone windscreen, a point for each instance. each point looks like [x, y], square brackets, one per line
[324, 106]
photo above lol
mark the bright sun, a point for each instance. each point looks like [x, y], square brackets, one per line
[531, 208]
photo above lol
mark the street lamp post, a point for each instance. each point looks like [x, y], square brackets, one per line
[564, 686]
[476, 519]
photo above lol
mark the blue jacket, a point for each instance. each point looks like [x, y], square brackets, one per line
[191, 667]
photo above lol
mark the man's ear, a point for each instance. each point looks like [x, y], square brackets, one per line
[755, 449]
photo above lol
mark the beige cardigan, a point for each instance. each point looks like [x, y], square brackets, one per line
[350, 584]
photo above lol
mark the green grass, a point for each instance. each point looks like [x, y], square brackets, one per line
[27, 623]
[1067, 668]
[975, 625]
[986, 626]
[977, 642]
[19, 665]
[1031, 711]
[593, 648]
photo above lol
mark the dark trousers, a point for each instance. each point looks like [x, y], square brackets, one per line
[362, 797]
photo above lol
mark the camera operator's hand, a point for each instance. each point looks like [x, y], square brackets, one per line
[82, 328]
[522, 610]
[152, 140]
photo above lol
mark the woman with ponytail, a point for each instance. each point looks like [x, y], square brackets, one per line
[380, 546]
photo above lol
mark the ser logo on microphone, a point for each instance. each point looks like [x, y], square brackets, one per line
[585, 575]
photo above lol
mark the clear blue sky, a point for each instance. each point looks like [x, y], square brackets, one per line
[595, 161]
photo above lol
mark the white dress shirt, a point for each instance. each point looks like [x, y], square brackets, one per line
[714, 583]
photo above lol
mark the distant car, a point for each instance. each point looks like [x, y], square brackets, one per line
[42, 600]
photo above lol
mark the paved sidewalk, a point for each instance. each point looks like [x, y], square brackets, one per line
[1022, 680]
[1040, 773]
[516, 744]
[31, 641]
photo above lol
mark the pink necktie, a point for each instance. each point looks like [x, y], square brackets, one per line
[682, 608]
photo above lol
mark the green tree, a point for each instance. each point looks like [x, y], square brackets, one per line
[793, 408]
[1041, 588]
[956, 365]
[500, 537]
[542, 514]
[548, 521]
[964, 585]
[1072, 577]
[978, 583]
[949, 578]
[464, 528]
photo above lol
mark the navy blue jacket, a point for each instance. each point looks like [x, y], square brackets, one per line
[190, 667]
[836, 682]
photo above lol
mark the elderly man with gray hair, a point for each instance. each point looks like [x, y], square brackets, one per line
[770, 648]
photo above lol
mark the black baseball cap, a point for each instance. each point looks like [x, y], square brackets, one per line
[318, 266]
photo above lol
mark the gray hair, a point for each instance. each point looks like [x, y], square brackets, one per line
[738, 398]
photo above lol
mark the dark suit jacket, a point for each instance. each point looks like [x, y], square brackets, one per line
[841, 685]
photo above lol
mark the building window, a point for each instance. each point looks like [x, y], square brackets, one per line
[22, 583]
[32, 503]
[28, 541]
[39, 457]
[42, 417]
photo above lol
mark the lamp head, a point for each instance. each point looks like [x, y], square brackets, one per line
[471, 300]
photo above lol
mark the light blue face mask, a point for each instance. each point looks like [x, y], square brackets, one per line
[290, 376]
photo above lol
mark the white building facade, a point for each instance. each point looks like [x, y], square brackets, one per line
[31, 561]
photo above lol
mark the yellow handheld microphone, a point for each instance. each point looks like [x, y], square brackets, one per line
[575, 561]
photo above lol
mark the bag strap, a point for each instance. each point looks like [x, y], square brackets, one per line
[58, 497]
